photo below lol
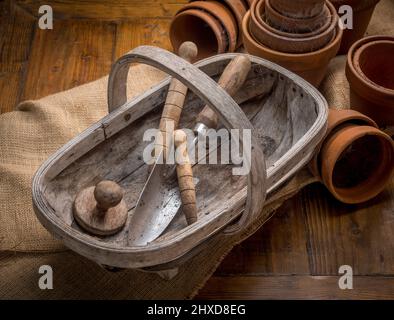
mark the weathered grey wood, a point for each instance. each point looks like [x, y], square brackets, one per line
[288, 125]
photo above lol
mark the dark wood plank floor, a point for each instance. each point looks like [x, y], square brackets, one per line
[295, 255]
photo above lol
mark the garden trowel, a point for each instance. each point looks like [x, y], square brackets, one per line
[160, 198]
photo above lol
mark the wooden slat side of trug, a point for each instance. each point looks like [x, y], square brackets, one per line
[288, 117]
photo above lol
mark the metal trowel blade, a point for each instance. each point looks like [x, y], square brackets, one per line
[158, 204]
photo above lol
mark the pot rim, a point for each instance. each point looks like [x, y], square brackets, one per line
[329, 33]
[314, 3]
[357, 66]
[333, 45]
[357, 82]
[357, 132]
[256, 8]
[337, 118]
[224, 16]
[210, 20]
[327, 8]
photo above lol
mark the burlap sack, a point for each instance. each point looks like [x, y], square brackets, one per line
[37, 128]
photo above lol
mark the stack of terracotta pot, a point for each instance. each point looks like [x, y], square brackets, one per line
[370, 72]
[302, 35]
[362, 11]
[214, 26]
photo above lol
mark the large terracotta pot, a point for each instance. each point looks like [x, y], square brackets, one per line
[311, 66]
[369, 70]
[356, 160]
[286, 41]
[201, 28]
[362, 13]
[298, 8]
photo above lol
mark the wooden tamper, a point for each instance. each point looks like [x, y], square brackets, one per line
[101, 210]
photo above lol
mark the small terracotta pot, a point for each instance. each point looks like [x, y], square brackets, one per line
[287, 42]
[369, 70]
[362, 13]
[357, 163]
[296, 25]
[201, 28]
[311, 66]
[222, 14]
[298, 8]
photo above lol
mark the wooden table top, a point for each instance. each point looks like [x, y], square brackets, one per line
[298, 253]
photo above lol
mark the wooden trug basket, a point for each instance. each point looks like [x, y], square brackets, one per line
[288, 119]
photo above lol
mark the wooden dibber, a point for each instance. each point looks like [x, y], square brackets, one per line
[185, 177]
[231, 80]
[101, 210]
[174, 103]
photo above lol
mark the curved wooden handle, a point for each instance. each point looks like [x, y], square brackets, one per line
[174, 103]
[231, 80]
[185, 177]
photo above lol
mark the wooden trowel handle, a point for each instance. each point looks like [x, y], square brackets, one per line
[231, 80]
[185, 177]
[175, 99]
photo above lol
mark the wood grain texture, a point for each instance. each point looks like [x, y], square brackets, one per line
[105, 10]
[130, 34]
[357, 235]
[279, 248]
[296, 287]
[61, 60]
[16, 33]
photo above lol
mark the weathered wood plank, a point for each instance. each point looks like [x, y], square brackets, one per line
[296, 287]
[15, 40]
[73, 53]
[131, 34]
[358, 235]
[279, 247]
[106, 10]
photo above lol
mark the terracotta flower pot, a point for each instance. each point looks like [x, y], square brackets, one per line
[369, 70]
[337, 119]
[201, 28]
[222, 14]
[298, 8]
[288, 42]
[297, 25]
[238, 8]
[358, 163]
[257, 12]
[356, 160]
[311, 66]
[362, 13]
